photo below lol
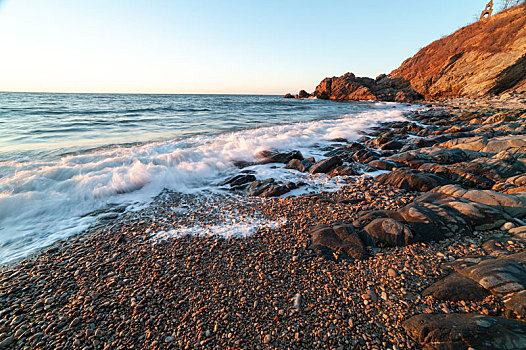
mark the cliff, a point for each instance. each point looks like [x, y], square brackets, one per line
[485, 58]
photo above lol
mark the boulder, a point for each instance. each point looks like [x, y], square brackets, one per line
[463, 331]
[384, 164]
[500, 276]
[278, 157]
[365, 156]
[517, 304]
[456, 287]
[389, 232]
[238, 180]
[303, 94]
[345, 170]
[300, 165]
[514, 144]
[411, 180]
[331, 242]
[326, 165]
[289, 95]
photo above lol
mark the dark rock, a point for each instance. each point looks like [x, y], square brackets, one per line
[418, 157]
[463, 331]
[365, 156]
[300, 165]
[517, 304]
[303, 94]
[500, 276]
[258, 187]
[383, 164]
[411, 180]
[389, 232]
[288, 96]
[391, 145]
[345, 170]
[238, 180]
[278, 190]
[340, 239]
[456, 287]
[278, 157]
[326, 165]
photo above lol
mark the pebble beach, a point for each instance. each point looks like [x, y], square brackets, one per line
[142, 280]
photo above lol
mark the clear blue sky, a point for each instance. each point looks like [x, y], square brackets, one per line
[204, 46]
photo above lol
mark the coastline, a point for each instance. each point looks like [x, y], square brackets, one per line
[116, 287]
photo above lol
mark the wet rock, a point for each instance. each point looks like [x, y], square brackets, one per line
[330, 242]
[411, 180]
[326, 165]
[383, 164]
[288, 95]
[300, 165]
[278, 190]
[456, 287]
[346, 170]
[463, 331]
[365, 156]
[278, 157]
[239, 180]
[257, 187]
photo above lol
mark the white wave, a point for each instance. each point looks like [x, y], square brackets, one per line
[43, 200]
[242, 228]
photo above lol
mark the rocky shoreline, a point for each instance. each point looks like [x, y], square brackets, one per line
[430, 254]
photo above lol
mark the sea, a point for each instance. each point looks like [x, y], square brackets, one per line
[66, 156]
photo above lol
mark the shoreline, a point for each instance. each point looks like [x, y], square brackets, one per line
[113, 287]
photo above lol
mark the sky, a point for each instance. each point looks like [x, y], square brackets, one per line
[205, 46]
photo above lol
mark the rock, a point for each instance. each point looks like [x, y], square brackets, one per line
[345, 170]
[365, 156]
[257, 187]
[297, 301]
[341, 239]
[278, 157]
[417, 158]
[350, 87]
[456, 287]
[239, 180]
[500, 276]
[508, 226]
[303, 94]
[514, 144]
[514, 205]
[463, 331]
[289, 95]
[411, 180]
[278, 190]
[300, 165]
[384, 164]
[517, 304]
[389, 232]
[326, 165]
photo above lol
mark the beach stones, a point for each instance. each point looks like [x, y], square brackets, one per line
[463, 331]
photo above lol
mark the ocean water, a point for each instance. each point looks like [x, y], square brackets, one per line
[64, 156]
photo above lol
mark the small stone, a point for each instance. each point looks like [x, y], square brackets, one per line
[392, 273]
[267, 339]
[297, 301]
[508, 226]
